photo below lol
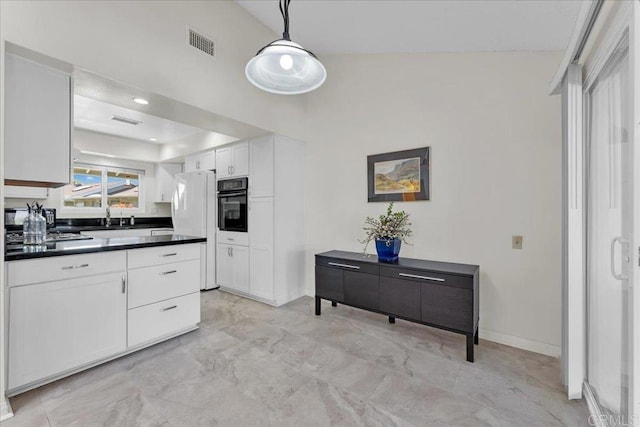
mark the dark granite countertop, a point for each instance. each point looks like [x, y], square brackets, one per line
[77, 225]
[418, 264]
[114, 226]
[18, 252]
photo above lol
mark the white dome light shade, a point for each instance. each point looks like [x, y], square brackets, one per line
[285, 68]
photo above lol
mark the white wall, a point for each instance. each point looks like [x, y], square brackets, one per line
[495, 138]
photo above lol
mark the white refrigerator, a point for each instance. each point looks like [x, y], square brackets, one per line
[193, 210]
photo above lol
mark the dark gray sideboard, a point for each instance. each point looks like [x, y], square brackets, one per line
[439, 294]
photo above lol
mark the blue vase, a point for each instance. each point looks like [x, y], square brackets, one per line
[388, 249]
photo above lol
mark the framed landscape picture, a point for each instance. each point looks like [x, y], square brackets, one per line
[399, 176]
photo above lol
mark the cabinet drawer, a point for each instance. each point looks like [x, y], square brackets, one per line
[162, 255]
[362, 290]
[162, 231]
[400, 297]
[161, 282]
[233, 238]
[329, 283]
[447, 306]
[348, 265]
[162, 318]
[39, 270]
[427, 277]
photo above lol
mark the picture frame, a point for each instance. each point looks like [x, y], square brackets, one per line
[402, 176]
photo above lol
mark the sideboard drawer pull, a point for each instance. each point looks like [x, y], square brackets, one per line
[335, 264]
[171, 254]
[169, 308]
[415, 276]
[164, 273]
[73, 267]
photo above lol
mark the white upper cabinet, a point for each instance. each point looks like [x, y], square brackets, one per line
[223, 162]
[38, 122]
[201, 161]
[240, 165]
[232, 161]
[165, 181]
[207, 161]
[261, 167]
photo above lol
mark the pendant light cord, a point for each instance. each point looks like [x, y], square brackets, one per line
[284, 10]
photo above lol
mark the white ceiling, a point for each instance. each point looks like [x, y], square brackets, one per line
[94, 115]
[401, 26]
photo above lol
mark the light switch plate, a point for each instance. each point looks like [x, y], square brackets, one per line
[516, 242]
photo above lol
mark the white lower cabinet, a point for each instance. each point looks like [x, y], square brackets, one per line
[161, 282]
[232, 267]
[61, 325]
[68, 312]
[164, 291]
[150, 322]
[261, 248]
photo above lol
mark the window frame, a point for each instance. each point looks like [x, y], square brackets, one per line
[104, 171]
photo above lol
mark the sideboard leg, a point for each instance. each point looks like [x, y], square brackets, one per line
[334, 304]
[475, 337]
[392, 319]
[470, 338]
[318, 299]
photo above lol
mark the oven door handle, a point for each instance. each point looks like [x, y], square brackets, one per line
[222, 195]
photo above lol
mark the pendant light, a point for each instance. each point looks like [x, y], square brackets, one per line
[285, 67]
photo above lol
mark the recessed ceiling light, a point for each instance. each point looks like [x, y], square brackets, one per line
[153, 139]
[141, 101]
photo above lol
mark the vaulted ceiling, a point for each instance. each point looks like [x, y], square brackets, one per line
[401, 26]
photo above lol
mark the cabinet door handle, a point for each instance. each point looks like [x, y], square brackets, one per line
[231, 251]
[233, 169]
[124, 284]
[169, 308]
[171, 254]
[73, 267]
[164, 273]
[335, 264]
[230, 239]
[415, 276]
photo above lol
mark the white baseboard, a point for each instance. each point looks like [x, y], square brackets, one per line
[510, 340]
[5, 409]
[519, 342]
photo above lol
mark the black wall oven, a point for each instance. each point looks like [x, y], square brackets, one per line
[232, 204]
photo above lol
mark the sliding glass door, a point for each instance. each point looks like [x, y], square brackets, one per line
[609, 231]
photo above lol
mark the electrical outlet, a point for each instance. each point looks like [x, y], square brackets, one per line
[516, 242]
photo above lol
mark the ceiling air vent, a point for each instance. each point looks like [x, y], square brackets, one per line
[125, 120]
[199, 41]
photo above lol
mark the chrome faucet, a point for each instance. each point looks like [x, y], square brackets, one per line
[108, 217]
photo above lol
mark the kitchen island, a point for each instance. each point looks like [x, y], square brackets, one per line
[72, 305]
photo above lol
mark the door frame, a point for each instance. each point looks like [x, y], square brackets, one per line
[634, 63]
[626, 23]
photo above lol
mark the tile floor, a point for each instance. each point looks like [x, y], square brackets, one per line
[250, 364]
